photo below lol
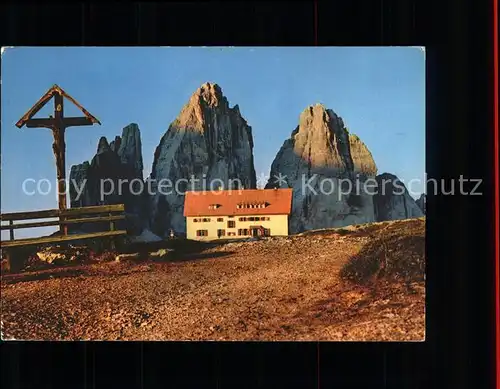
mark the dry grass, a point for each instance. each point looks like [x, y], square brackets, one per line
[395, 252]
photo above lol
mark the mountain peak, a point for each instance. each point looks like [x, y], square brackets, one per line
[210, 94]
[209, 86]
[205, 99]
[314, 109]
[207, 140]
[103, 145]
[319, 114]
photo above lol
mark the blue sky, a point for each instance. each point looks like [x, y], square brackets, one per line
[379, 92]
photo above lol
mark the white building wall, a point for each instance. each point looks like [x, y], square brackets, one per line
[277, 224]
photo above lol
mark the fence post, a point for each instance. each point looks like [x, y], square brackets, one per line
[112, 228]
[63, 227]
[11, 231]
[111, 223]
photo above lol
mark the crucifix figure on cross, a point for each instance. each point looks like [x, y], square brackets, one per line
[58, 124]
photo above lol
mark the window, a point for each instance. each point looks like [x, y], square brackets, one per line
[254, 205]
[205, 220]
[221, 233]
[231, 224]
[254, 218]
[214, 206]
[243, 232]
[220, 219]
[202, 233]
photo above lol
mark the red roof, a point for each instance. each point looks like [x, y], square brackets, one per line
[238, 202]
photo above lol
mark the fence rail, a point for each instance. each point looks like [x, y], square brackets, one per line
[95, 214]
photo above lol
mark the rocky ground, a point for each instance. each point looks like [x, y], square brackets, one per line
[363, 283]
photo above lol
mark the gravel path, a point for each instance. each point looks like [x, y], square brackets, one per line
[272, 289]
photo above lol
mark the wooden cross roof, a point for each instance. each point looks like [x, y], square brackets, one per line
[55, 89]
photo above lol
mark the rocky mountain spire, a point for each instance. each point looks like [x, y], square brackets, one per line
[119, 160]
[362, 159]
[130, 149]
[421, 202]
[208, 141]
[103, 145]
[393, 201]
[333, 175]
[320, 161]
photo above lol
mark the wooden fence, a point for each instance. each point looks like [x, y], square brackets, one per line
[71, 216]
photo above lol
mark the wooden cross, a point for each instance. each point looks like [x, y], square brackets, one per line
[58, 124]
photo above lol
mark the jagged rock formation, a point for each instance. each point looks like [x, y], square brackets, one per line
[327, 168]
[421, 202]
[362, 158]
[210, 145]
[78, 177]
[208, 141]
[393, 201]
[119, 160]
[129, 149]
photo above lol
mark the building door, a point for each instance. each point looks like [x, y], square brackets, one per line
[258, 231]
